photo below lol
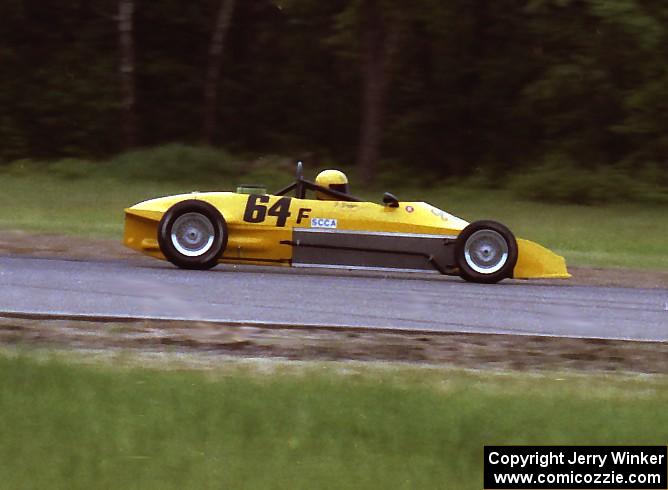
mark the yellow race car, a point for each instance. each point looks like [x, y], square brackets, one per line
[322, 225]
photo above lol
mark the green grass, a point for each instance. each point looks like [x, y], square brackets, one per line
[631, 235]
[67, 425]
[624, 235]
[88, 207]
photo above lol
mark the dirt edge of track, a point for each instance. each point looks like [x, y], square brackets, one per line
[218, 341]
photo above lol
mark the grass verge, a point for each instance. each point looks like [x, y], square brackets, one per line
[627, 235]
[272, 425]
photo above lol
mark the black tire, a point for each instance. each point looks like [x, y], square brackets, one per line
[486, 252]
[200, 236]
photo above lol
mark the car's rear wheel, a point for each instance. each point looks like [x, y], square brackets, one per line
[192, 235]
[486, 252]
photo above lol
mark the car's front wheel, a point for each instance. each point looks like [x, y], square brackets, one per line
[192, 235]
[486, 252]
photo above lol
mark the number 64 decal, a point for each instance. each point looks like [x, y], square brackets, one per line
[256, 209]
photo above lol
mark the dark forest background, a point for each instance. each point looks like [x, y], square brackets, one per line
[449, 87]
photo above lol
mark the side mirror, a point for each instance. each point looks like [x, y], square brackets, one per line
[390, 200]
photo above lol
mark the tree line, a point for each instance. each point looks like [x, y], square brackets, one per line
[449, 87]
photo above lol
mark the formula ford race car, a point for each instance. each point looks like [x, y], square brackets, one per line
[330, 228]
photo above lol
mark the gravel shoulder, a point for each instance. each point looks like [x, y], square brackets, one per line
[214, 341]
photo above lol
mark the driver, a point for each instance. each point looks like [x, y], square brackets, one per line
[331, 179]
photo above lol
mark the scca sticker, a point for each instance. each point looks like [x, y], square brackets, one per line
[323, 223]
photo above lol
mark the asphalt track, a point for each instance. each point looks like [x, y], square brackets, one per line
[145, 288]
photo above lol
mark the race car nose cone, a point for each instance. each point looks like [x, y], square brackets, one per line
[535, 261]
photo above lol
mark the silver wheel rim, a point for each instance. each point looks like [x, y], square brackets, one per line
[486, 251]
[192, 234]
